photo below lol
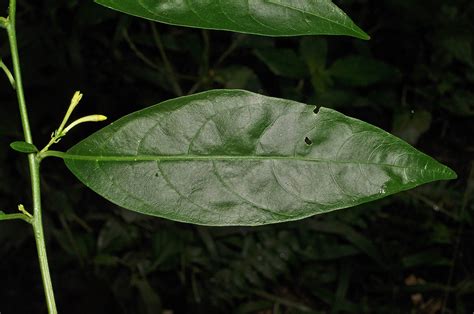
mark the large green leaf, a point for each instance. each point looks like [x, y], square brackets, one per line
[231, 157]
[261, 17]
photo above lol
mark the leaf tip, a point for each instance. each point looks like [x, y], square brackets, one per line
[443, 172]
[362, 35]
[450, 174]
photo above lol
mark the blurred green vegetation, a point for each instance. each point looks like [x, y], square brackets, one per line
[411, 253]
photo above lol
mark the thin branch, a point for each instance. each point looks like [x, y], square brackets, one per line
[15, 217]
[33, 163]
[11, 30]
[204, 69]
[435, 206]
[466, 198]
[137, 52]
[8, 73]
[219, 61]
[279, 300]
[230, 49]
[168, 66]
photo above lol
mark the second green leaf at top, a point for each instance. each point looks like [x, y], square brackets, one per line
[231, 157]
[260, 17]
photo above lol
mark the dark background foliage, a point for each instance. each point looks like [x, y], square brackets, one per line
[409, 253]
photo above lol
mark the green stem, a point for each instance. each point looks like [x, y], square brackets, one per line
[40, 242]
[32, 162]
[15, 217]
[7, 73]
[17, 73]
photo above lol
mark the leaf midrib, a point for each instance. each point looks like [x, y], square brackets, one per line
[153, 15]
[156, 158]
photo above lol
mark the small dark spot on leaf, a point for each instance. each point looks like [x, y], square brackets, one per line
[308, 141]
[156, 174]
[316, 110]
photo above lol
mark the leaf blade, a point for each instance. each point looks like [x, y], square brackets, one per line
[231, 157]
[268, 18]
[23, 147]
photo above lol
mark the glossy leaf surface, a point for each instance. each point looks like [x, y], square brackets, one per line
[261, 17]
[231, 157]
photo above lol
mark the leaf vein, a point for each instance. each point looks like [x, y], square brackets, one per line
[255, 205]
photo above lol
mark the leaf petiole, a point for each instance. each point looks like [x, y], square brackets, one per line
[3, 22]
[23, 217]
